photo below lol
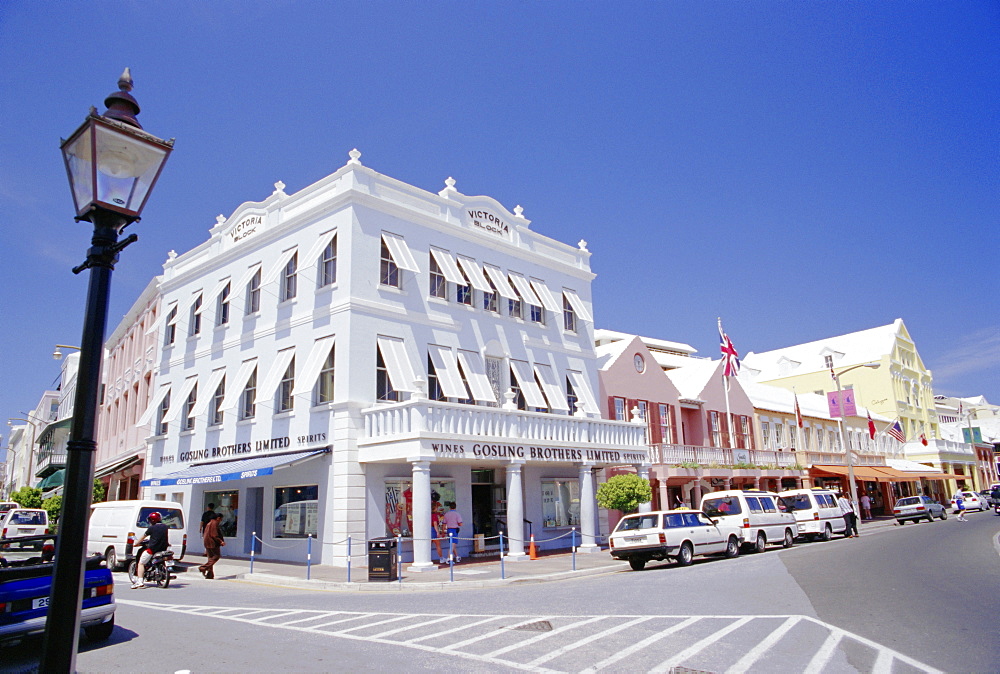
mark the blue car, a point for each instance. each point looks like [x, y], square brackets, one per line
[26, 583]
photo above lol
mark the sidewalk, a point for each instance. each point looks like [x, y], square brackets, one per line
[470, 573]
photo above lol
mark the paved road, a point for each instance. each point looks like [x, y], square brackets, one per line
[833, 607]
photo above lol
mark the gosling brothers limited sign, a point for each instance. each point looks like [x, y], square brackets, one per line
[531, 453]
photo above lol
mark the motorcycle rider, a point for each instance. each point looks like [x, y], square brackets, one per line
[157, 540]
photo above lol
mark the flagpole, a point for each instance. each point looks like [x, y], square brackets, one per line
[725, 384]
[798, 422]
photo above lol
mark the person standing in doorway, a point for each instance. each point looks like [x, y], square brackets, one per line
[866, 507]
[206, 517]
[453, 523]
[213, 546]
[850, 517]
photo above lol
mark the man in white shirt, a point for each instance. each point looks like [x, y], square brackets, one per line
[850, 517]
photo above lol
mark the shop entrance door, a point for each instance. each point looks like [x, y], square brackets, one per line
[485, 507]
[253, 516]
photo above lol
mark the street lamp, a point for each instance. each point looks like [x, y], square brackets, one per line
[31, 445]
[112, 165]
[57, 354]
[843, 439]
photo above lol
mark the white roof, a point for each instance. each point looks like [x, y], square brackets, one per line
[856, 347]
[776, 399]
[691, 379]
[608, 352]
[605, 336]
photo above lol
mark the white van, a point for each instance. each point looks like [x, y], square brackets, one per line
[756, 513]
[817, 512]
[117, 526]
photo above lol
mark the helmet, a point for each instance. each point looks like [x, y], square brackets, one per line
[154, 517]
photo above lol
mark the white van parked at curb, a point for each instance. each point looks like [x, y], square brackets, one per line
[817, 512]
[117, 526]
[756, 513]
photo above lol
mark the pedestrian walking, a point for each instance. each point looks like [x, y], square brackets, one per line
[437, 514]
[850, 517]
[866, 507]
[213, 546]
[453, 524]
[960, 507]
[206, 517]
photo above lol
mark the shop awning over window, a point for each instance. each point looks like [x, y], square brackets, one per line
[118, 466]
[242, 469]
[234, 388]
[396, 364]
[448, 267]
[448, 375]
[54, 480]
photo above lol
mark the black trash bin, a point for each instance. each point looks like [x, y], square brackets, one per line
[382, 564]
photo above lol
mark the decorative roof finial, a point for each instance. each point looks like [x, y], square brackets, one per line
[279, 187]
[583, 245]
[220, 219]
[121, 104]
[518, 211]
[355, 156]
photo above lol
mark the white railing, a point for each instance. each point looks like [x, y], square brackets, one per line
[840, 459]
[423, 417]
[716, 456]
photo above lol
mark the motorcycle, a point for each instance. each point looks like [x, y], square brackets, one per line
[157, 569]
[996, 508]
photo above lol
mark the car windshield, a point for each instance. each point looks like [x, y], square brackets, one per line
[913, 500]
[724, 505]
[637, 523]
[172, 517]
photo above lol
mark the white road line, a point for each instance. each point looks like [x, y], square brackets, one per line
[748, 660]
[587, 640]
[377, 622]
[639, 645]
[382, 635]
[489, 635]
[542, 636]
[678, 658]
[337, 622]
[275, 614]
[825, 652]
[317, 615]
[453, 630]
[883, 664]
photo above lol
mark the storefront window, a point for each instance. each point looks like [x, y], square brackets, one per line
[560, 503]
[399, 505]
[228, 504]
[296, 512]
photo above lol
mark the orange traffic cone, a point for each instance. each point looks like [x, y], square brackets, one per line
[532, 553]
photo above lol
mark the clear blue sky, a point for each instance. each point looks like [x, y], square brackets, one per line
[801, 169]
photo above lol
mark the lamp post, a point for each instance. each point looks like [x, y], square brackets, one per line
[57, 354]
[112, 165]
[843, 439]
[31, 445]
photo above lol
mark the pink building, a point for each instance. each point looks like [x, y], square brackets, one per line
[128, 379]
[699, 441]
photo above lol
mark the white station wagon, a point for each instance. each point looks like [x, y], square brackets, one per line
[671, 534]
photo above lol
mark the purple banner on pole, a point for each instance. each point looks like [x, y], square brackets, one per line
[847, 403]
[834, 403]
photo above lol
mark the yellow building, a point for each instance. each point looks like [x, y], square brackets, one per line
[899, 388]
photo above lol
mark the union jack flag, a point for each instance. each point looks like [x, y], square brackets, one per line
[729, 355]
[896, 431]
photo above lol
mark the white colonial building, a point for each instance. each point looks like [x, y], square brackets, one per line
[342, 361]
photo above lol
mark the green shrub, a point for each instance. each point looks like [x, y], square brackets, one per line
[624, 493]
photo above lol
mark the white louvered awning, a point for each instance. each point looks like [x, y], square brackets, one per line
[500, 282]
[524, 288]
[234, 388]
[178, 403]
[400, 252]
[578, 306]
[305, 379]
[475, 273]
[275, 271]
[549, 300]
[267, 385]
[583, 392]
[475, 375]
[448, 375]
[207, 391]
[551, 388]
[448, 267]
[526, 381]
[397, 364]
[154, 404]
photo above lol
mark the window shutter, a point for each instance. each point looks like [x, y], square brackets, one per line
[674, 432]
[611, 407]
[655, 434]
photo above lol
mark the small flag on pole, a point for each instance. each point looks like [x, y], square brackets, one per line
[923, 439]
[871, 427]
[896, 431]
[730, 358]
[798, 412]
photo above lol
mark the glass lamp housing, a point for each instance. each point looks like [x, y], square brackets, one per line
[112, 165]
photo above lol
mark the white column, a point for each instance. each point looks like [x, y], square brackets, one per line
[515, 511]
[421, 516]
[643, 472]
[588, 508]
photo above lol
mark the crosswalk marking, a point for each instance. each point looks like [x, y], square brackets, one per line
[502, 640]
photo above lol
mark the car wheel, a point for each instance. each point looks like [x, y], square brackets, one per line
[637, 564]
[760, 543]
[944, 514]
[686, 555]
[111, 557]
[828, 533]
[789, 539]
[930, 517]
[100, 632]
[732, 547]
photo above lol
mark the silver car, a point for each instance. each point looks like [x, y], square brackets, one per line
[916, 508]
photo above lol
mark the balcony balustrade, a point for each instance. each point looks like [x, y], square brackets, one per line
[47, 462]
[433, 419]
[670, 454]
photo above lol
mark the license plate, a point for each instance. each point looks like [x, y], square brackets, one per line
[41, 602]
[635, 539]
[26, 531]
